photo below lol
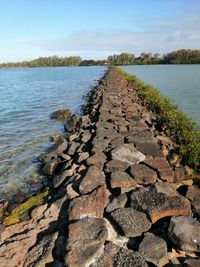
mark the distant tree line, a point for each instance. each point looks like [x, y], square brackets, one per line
[184, 56]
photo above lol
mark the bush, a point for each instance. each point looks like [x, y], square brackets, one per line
[180, 127]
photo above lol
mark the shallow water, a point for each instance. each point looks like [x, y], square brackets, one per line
[27, 98]
[179, 82]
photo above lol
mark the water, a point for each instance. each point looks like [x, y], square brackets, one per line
[179, 82]
[27, 98]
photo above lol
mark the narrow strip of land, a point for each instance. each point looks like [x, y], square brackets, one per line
[115, 198]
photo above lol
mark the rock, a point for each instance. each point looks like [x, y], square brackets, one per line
[91, 205]
[126, 257]
[162, 166]
[179, 174]
[154, 250]
[116, 165]
[159, 205]
[30, 242]
[127, 153]
[85, 121]
[100, 144]
[61, 114]
[54, 151]
[86, 137]
[184, 232]
[166, 141]
[192, 262]
[51, 166]
[121, 179]
[193, 194]
[98, 158]
[85, 242]
[73, 123]
[116, 203]
[83, 156]
[143, 174]
[71, 193]
[72, 148]
[93, 178]
[73, 137]
[3, 207]
[130, 222]
[149, 149]
[65, 156]
[59, 179]
[138, 134]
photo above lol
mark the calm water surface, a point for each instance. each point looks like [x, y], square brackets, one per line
[27, 98]
[180, 82]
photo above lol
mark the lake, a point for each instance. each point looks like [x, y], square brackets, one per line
[179, 82]
[27, 98]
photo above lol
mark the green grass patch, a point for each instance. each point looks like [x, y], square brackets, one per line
[32, 202]
[182, 129]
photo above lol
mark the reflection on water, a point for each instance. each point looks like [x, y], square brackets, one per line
[27, 98]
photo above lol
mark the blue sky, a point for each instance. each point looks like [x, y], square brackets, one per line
[96, 28]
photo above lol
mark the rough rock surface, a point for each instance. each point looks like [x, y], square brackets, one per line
[114, 198]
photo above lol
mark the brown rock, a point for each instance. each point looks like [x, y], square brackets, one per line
[121, 179]
[116, 165]
[116, 203]
[154, 250]
[192, 262]
[86, 238]
[30, 242]
[89, 205]
[83, 156]
[98, 158]
[130, 222]
[61, 114]
[143, 174]
[193, 194]
[159, 205]
[162, 166]
[51, 166]
[72, 148]
[179, 174]
[149, 149]
[86, 137]
[93, 178]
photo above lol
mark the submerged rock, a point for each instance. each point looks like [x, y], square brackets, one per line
[61, 114]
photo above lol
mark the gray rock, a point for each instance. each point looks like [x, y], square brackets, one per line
[127, 153]
[54, 151]
[130, 222]
[193, 194]
[116, 165]
[72, 148]
[86, 238]
[149, 148]
[184, 232]
[154, 250]
[121, 179]
[61, 114]
[51, 166]
[116, 203]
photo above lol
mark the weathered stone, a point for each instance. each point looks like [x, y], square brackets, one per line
[116, 203]
[30, 241]
[192, 262]
[149, 149]
[61, 114]
[86, 137]
[193, 194]
[143, 174]
[130, 222]
[98, 158]
[89, 205]
[138, 134]
[86, 239]
[164, 140]
[154, 250]
[83, 156]
[93, 178]
[65, 175]
[73, 123]
[85, 121]
[71, 193]
[51, 166]
[72, 148]
[116, 165]
[159, 205]
[65, 156]
[54, 151]
[179, 174]
[100, 144]
[121, 179]
[127, 153]
[126, 257]
[3, 206]
[73, 137]
[162, 166]
[184, 232]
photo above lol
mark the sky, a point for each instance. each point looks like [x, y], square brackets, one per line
[96, 28]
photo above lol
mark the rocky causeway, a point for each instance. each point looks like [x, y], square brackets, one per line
[114, 198]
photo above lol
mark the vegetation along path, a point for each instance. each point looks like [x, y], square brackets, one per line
[119, 195]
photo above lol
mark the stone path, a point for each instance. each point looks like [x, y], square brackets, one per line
[116, 200]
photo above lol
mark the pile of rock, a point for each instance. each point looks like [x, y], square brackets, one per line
[115, 200]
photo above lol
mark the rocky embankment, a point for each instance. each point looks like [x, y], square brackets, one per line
[115, 199]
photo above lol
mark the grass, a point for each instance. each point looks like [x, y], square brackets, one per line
[183, 130]
[15, 215]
